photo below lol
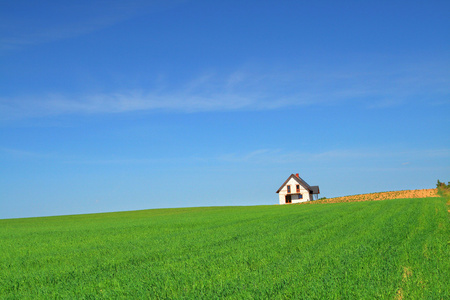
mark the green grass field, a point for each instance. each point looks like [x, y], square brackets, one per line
[394, 249]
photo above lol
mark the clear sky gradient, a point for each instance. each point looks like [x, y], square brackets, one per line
[126, 105]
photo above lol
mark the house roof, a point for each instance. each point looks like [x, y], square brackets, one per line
[312, 189]
[315, 189]
[298, 179]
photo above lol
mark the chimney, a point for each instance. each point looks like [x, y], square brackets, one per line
[297, 175]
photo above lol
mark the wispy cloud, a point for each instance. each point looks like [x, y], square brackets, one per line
[203, 93]
[121, 103]
[247, 89]
[280, 156]
[23, 154]
[33, 155]
[381, 157]
[68, 20]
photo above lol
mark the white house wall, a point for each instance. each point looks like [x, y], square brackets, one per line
[293, 183]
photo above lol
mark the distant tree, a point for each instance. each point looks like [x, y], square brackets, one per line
[443, 187]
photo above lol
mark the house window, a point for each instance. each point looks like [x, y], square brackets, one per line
[298, 188]
[289, 189]
[300, 196]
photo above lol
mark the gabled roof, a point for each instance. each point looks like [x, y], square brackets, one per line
[299, 180]
[315, 189]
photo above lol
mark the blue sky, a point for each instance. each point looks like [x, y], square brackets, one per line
[125, 105]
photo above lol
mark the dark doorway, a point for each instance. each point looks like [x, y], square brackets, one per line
[288, 199]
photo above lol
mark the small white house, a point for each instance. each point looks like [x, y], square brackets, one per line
[296, 190]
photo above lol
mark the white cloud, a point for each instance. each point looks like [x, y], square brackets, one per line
[23, 154]
[279, 156]
[121, 103]
[337, 158]
[246, 89]
[67, 20]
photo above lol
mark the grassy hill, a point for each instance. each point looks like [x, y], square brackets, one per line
[395, 249]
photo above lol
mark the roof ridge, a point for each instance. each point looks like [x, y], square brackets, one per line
[297, 178]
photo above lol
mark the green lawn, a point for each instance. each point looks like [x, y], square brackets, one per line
[394, 249]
